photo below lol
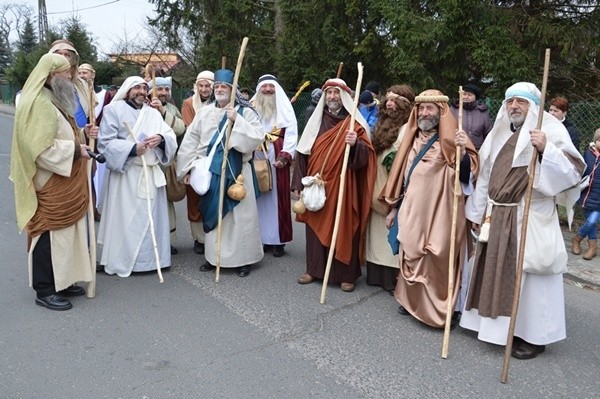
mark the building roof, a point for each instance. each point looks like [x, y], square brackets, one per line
[164, 61]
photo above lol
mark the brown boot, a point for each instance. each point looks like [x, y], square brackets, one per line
[592, 250]
[576, 244]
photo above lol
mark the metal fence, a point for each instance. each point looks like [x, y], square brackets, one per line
[584, 115]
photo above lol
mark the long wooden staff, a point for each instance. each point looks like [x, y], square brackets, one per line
[223, 62]
[91, 289]
[340, 199]
[236, 76]
[148, 206]
[452, 256]
[519, 271]
[339, 70]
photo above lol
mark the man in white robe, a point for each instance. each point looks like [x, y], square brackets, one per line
[240, 245]
[281, 135]
[541, 316]
[124, 232]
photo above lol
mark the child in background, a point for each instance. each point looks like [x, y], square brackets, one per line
[590, 202]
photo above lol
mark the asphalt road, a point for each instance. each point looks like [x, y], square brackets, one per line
[263, 336]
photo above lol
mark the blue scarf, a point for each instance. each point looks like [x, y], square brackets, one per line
[209, 204]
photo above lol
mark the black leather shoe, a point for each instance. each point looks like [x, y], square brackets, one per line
[73, 290]
[99, 268]
[403, 311]
[278, 252]
[206, 267]
[54, 302]
[524, 350]
[243, 271]
[198, 248]
[174, 250]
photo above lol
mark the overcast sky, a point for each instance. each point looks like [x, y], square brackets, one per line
[109, 21]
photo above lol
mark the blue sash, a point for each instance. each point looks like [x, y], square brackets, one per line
[209, 202]
[80, 117]
[393, 231]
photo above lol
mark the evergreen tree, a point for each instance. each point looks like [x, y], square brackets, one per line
[5, 55]
[74, 31]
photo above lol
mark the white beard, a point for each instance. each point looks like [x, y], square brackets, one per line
[266, 106]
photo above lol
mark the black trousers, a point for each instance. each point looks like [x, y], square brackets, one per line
[42, 273]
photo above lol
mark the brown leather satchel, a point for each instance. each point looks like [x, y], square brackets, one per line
[175, 189]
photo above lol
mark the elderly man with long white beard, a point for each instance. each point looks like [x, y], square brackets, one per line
[281, 134]
[125, 230]
[497, 205]
[48, 168]
[240, 244]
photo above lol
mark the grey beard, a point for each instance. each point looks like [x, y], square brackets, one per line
[428, 124]
[266, 106]
[64, 92]
[334, 106]
[517, 120]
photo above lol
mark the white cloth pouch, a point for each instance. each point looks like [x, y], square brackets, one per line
[200, 174]
[545, 251]
[313, 194]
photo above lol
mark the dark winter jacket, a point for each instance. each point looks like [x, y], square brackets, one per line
[572, 132]
[590, 196]
[476, 120]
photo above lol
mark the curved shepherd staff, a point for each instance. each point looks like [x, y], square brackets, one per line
[236, 76]
[338, 209]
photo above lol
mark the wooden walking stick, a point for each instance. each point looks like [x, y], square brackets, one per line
[519, 271]
[150, 73]
[236, 76]
[452, 256]
[148, 206]
[338, 209]
[91, 288]
[339, 70]
[223, 62]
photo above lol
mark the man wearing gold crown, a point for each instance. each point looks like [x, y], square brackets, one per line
[281, 135]
[420, 189]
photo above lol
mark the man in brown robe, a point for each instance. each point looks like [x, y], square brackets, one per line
[48, 168]
[321, 150]
[203, 90]
[425, 206]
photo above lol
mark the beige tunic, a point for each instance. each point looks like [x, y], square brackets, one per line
[70, 255]
[378, 248]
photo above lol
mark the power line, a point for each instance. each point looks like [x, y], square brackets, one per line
[83, 9]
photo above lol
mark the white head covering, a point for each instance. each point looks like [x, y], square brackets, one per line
[553, 128]
[62, 45]
[309, 135]
[126, 86]
[87, 67]
[161, 82]
[209, 76]
[285, 113]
